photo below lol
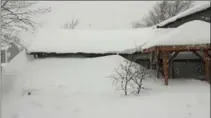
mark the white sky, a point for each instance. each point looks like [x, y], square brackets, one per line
[96, 14]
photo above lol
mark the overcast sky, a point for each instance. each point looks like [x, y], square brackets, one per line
[96, 14]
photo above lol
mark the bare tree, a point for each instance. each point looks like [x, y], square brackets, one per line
[162, 11]
[15, 16]
[129, 76]
[70, 25]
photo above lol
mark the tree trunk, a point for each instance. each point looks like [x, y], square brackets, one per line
[125, 92]
[139, 89]
[125, 88]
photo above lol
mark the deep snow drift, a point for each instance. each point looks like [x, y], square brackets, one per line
[79, 88]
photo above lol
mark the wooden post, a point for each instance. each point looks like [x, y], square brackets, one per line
[207, 65]
[165, 66]
[157, 63]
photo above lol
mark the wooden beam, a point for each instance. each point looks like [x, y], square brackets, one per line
[186, 48]
[207, 66]
[173, 56]
[198, 55]
[157, 63]
[165, 66]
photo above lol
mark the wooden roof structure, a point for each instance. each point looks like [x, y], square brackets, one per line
[163, 54]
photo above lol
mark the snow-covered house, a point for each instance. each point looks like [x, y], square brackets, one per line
[72, 87]
[4, 54]
[188, 64]
[92, 43]
[199, 12]
[8, 52]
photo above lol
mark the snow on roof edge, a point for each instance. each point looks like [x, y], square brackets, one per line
[204, 29]
[187, 12]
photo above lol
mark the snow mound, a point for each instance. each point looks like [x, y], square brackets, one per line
[191, 33]
[39, 74]
[80, 88]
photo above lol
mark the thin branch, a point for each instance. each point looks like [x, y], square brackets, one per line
[6, 1]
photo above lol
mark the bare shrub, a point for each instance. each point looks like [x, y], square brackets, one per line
[70, 25]
[129, 76]
[140, 74]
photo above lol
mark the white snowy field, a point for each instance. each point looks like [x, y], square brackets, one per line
[79, 88]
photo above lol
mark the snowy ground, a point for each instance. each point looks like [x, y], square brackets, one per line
[79, 88]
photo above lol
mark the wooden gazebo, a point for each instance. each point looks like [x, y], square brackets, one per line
[164, 50]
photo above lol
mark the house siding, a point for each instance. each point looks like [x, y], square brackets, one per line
[188, 69]
[3, 58]
[12, 51]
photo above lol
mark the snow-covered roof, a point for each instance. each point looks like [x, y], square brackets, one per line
[185, 13]
[152, 36]
[191, 33]
[88, 41]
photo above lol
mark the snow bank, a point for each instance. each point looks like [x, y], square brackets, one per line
[80, 88]
[185, 13]
[24, 73]
[191, 33]
[12, 71]
[88, 41]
